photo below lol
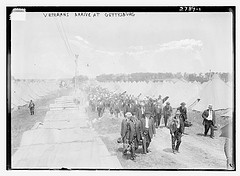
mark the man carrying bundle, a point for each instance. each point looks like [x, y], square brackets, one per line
[147, 130]
[130, 133]
[176, 129]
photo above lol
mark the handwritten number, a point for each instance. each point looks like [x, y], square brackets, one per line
[189, 9]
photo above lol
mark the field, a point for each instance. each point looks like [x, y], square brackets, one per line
[21, 120]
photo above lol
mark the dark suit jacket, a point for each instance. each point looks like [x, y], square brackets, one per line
[173, 127]
[205, 115]
[134, 109]
[183, 112]
[150, 108]
[130, 128]
[139, 113]
[124, 129]
[135, 128]
[151, 125]
[131, 109]
[167, 111]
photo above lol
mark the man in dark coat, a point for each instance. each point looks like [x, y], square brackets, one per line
[158, 110]
[137, 136]
[31, 106]
[167, 112]
[158, 113]
[176, 129]
[209, 120]
[130, 133]
[147, 130]
[183, 113]
[140, 110]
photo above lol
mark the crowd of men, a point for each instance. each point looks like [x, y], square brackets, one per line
[141, 117]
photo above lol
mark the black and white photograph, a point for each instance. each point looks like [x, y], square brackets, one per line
[121, 88]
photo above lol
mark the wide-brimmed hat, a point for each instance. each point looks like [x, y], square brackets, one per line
[168, 103]
[128, 114]
[183, 103]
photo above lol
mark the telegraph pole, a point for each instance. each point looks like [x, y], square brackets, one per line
[76, 72]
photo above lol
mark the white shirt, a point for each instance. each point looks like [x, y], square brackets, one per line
[142, 109]
[159, 105]
[209, 115]
[178, 123]
[147, 119]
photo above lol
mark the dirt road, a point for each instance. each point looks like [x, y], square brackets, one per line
[196, 151]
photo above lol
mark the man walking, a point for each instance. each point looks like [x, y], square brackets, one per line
[183, 114]
[31, 107]
[167, 112]
[141, 110]
[129, 135]
[147, 130]
[158, 112]
[176, 130]
[158, 109]
[209, 120]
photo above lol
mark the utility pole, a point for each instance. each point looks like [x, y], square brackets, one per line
[76, 72]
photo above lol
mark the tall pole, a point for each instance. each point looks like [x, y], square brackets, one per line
[76, 72]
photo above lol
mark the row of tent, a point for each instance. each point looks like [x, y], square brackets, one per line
[24, 91]
[197, 96]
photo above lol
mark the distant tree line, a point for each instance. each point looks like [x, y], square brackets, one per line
[80, 78]
[155, 77]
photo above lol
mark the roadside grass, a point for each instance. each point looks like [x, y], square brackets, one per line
[21, 120]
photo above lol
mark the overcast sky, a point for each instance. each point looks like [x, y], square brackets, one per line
[146, 42]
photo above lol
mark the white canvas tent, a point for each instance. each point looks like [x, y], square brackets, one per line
[215, 92]
[229, 113]
[24, 91]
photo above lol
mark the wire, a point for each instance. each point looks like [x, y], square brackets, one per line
[62, 36]
[66, 37]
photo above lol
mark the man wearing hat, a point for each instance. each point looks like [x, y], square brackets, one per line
[167, 112]
[183, 113]
[158, 109]
[176, 129]
[129, 134]
[147, 130]
[209, 120]
[31, 106]
[140, 110]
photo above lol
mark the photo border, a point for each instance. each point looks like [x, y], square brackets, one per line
[158, 9]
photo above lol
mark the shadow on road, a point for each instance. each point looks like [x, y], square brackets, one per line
[200, 134]
[168, 150]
